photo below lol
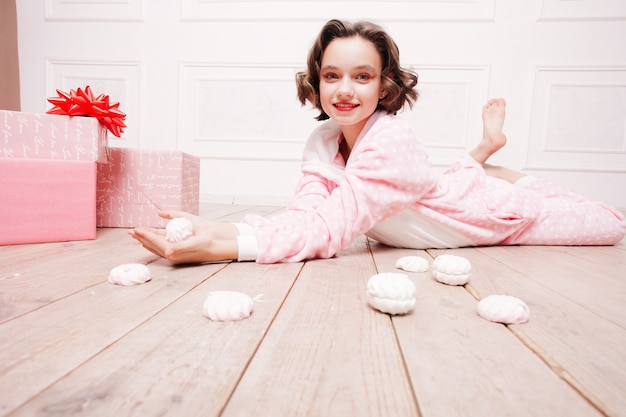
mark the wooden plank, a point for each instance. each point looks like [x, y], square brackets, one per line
[258, 210]
[462, 365]
[215, 211]
[38, 275]
[178, 362]
[39, 348]
[35, 275]
[579, 345]
[230, 212]
[145, 350]
[12, 254]
[592, 277]
[621, 245]
[16, 259]
[327, 353]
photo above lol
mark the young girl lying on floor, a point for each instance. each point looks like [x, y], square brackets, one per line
[365, 172]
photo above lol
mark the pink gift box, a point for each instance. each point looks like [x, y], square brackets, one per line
[136, 184]
[49, 136]
[46, 200]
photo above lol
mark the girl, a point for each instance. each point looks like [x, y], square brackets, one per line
[364, 171]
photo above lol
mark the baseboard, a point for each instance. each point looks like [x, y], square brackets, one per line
[246, 200]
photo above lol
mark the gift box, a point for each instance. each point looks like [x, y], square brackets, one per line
[48, 136]
[135, 184]
[48, 171]
[47, 200]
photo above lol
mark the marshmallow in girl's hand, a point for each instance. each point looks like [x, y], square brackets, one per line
[178, 229]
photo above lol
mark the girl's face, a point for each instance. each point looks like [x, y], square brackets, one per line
[350, 83]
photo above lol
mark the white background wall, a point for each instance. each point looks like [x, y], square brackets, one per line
[215, 79]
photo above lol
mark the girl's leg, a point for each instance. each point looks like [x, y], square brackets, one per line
[494, 139]
[503, 173]
[568, 218]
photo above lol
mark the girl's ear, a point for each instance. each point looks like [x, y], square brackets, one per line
[383, 94]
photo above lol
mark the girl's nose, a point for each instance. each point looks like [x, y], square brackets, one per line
[345, 88]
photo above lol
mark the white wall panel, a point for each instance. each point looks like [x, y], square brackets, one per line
[578, 120]
[248, 181]
[419, 10]
[582, 10]
[242, 111]
[85, 10]
[119, 80]
[444, 116]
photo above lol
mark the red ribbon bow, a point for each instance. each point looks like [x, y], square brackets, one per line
[84, 103]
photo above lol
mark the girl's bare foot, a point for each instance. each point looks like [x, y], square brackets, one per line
[493, 138]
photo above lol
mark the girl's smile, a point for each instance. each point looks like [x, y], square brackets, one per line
[343, 106]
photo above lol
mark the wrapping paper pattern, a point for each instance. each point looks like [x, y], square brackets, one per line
[135, 184]
[47, 136]
[47, 200]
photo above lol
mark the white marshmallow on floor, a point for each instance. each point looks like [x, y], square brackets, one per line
[391, 292]
[503, 309]
[412, 264]
[227, 306]
[452, 269]
[129, 274]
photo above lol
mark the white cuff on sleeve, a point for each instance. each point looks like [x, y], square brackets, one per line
[247, 245]
[248, 248]
[244, 228]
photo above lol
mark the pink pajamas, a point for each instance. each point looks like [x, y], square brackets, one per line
[389, 190]
[567, 218]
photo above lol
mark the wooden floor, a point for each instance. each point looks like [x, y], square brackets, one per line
[73, 344]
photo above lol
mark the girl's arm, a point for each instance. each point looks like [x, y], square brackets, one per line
[388, 171]
[311, 192]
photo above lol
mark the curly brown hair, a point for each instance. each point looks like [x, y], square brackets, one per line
[397, 82]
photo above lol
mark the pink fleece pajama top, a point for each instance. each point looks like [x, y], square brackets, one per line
[389, 190]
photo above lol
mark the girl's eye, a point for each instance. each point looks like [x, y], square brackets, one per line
[329, 76]
[363, 77]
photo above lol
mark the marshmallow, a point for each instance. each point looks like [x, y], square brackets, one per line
[503, 309]
[227, 306]
[129, 274]
[452, 269]
[412, 264]
[178, 229]
[391, 292]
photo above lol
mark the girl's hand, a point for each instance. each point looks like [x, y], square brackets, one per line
[216, 230]
[211, 242]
